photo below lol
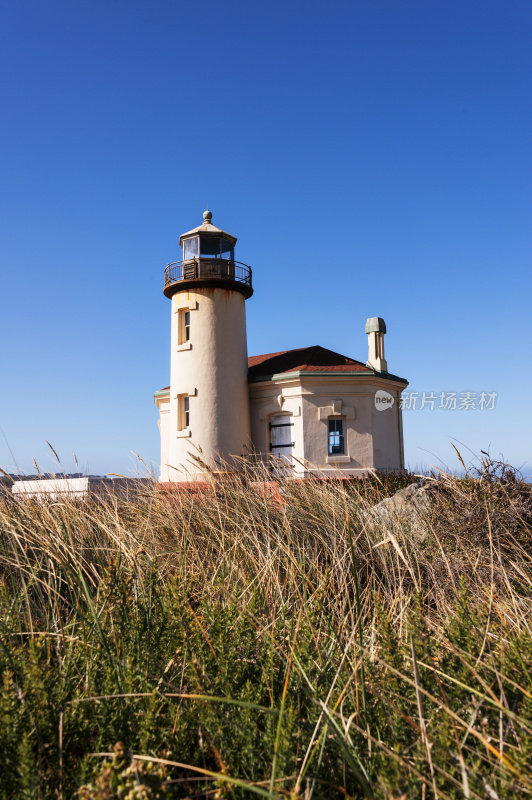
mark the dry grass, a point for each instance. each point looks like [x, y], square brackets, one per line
[393, 661]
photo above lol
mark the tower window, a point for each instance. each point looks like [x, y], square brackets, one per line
[183, 412]
[184, 326]
[336, 436]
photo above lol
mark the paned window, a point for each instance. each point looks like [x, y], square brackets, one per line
[184, 326]
[336, 436]
[183, 412]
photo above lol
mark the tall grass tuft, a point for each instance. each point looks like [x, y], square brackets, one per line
[287, 644]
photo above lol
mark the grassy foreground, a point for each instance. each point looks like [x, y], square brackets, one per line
[243, 645]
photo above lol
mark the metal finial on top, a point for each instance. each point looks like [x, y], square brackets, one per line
[207, 215]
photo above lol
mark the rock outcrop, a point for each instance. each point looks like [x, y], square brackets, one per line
[408, 507]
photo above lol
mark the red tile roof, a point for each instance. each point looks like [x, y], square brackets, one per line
[305, 359]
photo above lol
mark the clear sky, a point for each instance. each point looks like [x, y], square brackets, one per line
[372, 157]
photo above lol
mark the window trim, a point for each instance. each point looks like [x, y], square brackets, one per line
[183, 412]
[183, 329]
[342, 435]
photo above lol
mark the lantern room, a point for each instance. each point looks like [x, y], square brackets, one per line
[208, 241]
[208, 258]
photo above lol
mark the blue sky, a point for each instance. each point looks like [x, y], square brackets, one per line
[372, 157]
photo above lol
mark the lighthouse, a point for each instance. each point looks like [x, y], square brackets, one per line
[204, 417]
[299, 413]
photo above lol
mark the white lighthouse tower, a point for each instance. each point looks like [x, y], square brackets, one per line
[205, 415]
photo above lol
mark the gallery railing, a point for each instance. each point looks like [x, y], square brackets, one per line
[215, 269]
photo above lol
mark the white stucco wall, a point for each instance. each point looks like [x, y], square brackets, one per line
[162, 401]
[373, 439]
[211, 369]
[388, 453]
[268, 399]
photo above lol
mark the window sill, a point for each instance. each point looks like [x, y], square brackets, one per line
[186, 433]
[338, 459]
[184, 346]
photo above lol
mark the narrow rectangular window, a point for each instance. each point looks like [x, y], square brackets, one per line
[336, 437]
[184, 326]
[183, 412]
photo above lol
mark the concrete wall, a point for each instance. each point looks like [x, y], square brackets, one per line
[351, 404]
[163, 404]
[373, 439]
[78, 488]
[211, 369]
[388, 452]
[52, 488]
[268, 399]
